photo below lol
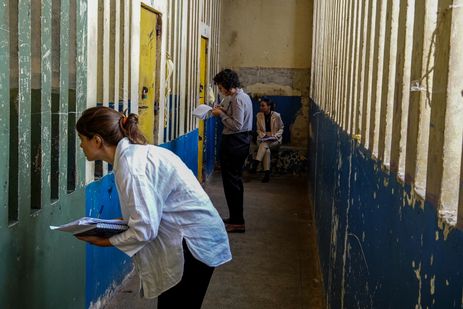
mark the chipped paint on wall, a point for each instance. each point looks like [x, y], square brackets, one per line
[406, 257]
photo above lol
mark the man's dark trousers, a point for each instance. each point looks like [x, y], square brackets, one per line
[235, 149]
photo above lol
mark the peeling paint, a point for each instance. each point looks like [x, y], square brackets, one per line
[386, 182]
[418, 277]
[444, 227]
[433, 284]
[394, 222]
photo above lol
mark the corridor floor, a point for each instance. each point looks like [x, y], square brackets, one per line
[275, 263]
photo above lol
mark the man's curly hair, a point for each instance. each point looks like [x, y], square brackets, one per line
[228, 79]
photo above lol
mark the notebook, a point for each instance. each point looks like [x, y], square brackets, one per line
[105, 230]
[87, 226]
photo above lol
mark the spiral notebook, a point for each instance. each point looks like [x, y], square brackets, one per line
[93, 227]
[104, 230]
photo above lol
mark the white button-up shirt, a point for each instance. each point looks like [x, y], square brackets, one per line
[164, 204]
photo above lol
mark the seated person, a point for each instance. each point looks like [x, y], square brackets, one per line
[269, 134]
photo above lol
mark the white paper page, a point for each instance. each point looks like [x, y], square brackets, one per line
[84, 224]
[201, 111]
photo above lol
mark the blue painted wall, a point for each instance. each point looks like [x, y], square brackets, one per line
[379, 246]
[107, 267]
[210, 148]
[104, 266]
[186, 147]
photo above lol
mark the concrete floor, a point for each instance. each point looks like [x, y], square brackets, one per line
[275, 263]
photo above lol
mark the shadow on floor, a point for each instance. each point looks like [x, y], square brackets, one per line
[275, 263]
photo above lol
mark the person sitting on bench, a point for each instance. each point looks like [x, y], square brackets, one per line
[269, 135]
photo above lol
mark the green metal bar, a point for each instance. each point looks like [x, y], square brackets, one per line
[5, 114]
[81, 81]
[46, 99]
[13, 119]
[24, 108]
[63, 96]
[36, 107]
[71, 165]
[55, 101]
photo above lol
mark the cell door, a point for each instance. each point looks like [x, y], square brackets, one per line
[147, 73]
[202, 100]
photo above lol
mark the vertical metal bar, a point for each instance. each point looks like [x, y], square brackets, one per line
[24, 108]
[63, 96]
[134, 54]
[55, 101]
[106, 50]
[5, 107]
[182, 64]
[98, 27]
[94, 64]
[108, 61]
[117, 50]
[72, 108]
[81, 81]
[126, 43]
[175, 56]
[13, 117]
[46, 81]
[36, 98]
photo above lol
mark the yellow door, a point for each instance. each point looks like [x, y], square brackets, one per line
[202, 100]
[146, 91]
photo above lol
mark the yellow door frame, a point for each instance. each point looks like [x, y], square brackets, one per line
[202, 100]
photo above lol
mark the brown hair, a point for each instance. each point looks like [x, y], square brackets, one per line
[111, 125]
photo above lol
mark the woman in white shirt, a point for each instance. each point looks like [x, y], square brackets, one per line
[176, 237]
[269, 134]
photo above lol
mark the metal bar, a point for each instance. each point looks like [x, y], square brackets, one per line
[5, 107]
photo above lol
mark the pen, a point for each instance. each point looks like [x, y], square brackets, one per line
[220, 104]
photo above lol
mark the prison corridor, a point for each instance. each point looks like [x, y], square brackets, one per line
[275, 263]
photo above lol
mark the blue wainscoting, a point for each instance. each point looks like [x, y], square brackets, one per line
[379, 246]
[105, 267]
